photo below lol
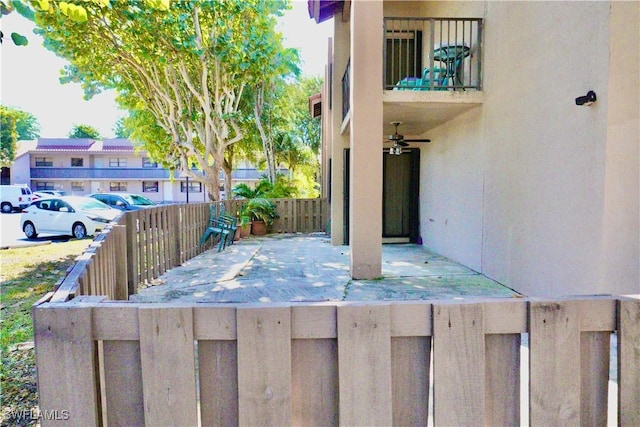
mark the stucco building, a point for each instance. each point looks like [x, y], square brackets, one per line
[526, 179]
[84, 166]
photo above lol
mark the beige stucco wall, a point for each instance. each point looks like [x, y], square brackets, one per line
[341, 53]
[451, 183]
[530, 189]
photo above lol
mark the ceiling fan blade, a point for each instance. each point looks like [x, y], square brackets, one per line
[402, 143]
[417, 140]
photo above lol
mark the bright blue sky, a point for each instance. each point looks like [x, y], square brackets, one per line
[29, 75]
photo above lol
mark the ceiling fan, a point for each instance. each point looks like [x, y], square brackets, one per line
[399, 141]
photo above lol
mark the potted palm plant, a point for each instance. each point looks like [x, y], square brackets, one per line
[262, 212]
[244, 222]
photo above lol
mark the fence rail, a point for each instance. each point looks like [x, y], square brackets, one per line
[146, 243]
[326, 364]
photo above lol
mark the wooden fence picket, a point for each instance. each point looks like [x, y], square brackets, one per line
[458, 364]
[554, 363]
[264, 366]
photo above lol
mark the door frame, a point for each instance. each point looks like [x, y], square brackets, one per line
[414, 204]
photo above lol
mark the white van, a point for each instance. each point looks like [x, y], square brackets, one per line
[14, 197]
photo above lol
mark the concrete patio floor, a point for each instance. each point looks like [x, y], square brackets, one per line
[296, 268]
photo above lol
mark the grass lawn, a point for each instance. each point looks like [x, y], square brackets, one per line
[26, 275]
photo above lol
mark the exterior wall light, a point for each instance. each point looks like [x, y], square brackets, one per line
[588, 99]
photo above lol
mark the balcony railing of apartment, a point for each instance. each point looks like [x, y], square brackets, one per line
[99, 173]
[432, 53]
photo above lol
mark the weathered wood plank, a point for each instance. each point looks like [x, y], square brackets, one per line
[168, 366]
[218, 366]
[554, 368]
[505, 317]
[264, 365]
[121, 275]
[597, 314]
[123, 383]
[115, 321]
[594, 378]
[458, 364]
[214, 322]
[66, 363]
[314, 382]
[364, 363]
[629, 362]
[410, 362]
[316, 321]
[410, 319]
[502, 377]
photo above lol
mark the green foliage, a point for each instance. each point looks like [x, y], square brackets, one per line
[84, 131]
[16, 125]
[265, 189]
[120, 129]
[261, 209]
[8, 138]
[180, 67]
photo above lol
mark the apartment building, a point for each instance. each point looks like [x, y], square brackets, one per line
[532, 109]
[84, 166]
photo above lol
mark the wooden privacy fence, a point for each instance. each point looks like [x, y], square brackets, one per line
[116, 363]
[146, 243]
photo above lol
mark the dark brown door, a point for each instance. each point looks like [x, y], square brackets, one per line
[400, 194]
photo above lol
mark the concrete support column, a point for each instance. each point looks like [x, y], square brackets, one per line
[365, 211]
[339, 142]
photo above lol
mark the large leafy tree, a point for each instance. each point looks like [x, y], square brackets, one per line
[182, 69]
[84, 131]
[15, 125]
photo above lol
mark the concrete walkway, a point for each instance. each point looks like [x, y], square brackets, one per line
[295, 268]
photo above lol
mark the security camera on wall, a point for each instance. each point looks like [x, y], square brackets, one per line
[588, 99]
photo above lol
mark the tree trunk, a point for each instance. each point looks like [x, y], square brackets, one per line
[267, 143]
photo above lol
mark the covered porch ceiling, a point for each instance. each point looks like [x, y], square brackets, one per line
[427, 111]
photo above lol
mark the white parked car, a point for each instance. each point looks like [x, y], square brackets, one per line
[67, 215]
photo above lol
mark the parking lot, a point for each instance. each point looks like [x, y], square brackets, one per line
[12, 236]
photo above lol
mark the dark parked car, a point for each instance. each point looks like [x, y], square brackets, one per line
[124, 201]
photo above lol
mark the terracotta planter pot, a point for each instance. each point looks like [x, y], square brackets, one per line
[258, 228]
[245, 230]
[237, 235]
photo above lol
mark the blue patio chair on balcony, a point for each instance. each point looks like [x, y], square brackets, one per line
[424, 83]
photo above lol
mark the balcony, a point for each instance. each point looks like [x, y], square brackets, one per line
[99, 173]
[427, 54]
[432, 71]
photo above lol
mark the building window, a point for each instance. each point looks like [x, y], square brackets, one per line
[149, 186]
[42, 185]
[117, 186]
[148, 163]
[44, 162]
[194, 187]
[77, 162]
[118, 163]
[77, 186]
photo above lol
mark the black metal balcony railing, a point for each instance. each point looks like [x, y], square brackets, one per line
[432, 53]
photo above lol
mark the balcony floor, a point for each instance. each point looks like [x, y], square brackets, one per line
[291, 268]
